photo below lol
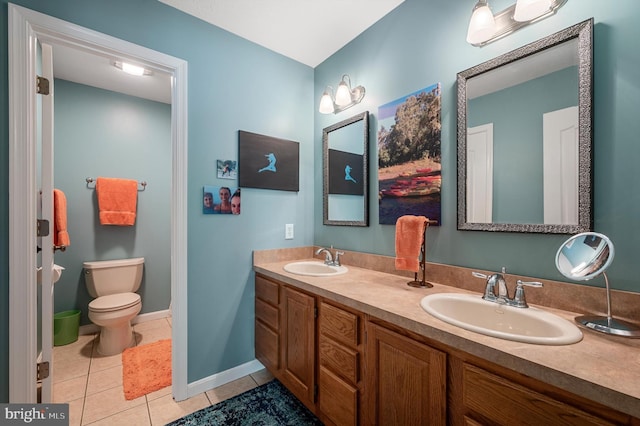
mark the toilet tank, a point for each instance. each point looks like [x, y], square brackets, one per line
[113, 276]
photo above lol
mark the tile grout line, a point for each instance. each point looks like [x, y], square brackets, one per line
[86, 385]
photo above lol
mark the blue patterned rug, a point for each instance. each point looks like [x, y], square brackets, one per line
[268, 405]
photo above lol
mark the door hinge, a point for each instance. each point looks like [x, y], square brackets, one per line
[315, 393]
[42, 226]
[315, 312]
[43, 370]
[42, 85]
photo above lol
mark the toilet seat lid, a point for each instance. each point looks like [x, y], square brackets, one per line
[114, 302]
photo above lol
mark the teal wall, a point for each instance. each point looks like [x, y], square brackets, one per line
[517, 136]
[233, 85]
[104, 133]
[423, 42]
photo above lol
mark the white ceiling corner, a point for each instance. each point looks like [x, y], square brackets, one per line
[308, 31]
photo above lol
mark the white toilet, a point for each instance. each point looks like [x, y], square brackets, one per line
[113, 283]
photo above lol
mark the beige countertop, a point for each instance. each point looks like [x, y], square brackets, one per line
[602, 368]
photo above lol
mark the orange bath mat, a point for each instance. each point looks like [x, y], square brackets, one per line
[146, 368]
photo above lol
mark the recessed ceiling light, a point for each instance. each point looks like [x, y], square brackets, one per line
[132, 69]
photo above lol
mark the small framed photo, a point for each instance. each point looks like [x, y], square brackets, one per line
[227, 169]
[220, 200]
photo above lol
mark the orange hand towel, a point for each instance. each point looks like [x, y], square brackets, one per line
[117, 200]
[409, 237]
[60, 234]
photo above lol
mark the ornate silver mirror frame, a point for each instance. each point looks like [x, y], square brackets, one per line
[343, 142]
[582, 35]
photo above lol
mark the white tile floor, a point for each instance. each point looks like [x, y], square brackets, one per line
[92, 385]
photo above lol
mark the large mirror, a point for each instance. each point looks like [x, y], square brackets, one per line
[524, 137]
[345, 172]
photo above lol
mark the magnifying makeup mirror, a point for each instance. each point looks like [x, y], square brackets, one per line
[583, 257]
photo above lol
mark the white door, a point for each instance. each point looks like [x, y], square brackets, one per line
[46, 211]
[560, 162]
[480, 173]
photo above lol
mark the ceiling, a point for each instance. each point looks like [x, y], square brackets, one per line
[308, 31]
[95, 70]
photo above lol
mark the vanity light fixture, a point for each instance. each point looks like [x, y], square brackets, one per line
[345, 97]
[132, 69]
[485, 27]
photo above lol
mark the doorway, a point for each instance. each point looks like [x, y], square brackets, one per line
[27, 28]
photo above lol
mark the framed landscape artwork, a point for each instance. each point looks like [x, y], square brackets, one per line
[409, 156]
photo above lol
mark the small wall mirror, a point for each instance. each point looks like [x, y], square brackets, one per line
[583, 257]
[345, 172]
[524, 137]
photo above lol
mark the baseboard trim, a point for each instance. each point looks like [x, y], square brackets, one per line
[151, 316]
[223, 377]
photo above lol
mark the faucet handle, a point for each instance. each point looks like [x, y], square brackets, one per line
[336, 260]
[519, 299]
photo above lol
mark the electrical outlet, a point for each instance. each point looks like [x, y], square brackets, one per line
[288, 231]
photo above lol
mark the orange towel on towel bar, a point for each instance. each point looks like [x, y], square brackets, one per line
[117, 200]
[60, 234]
[409, 237]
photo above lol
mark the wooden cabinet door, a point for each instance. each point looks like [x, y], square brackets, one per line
[298, 344]
[405, 380]
[488, 398]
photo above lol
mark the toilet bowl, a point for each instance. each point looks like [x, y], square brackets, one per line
[113, 284]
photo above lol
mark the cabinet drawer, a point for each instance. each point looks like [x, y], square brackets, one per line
[484, 392]
[339, 359]
[337, 399]
[267, 290]
[267, 344]
[338, 323]
[268, 314]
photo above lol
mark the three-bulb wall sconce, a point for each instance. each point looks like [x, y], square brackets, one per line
[345, 97]
[485, 27]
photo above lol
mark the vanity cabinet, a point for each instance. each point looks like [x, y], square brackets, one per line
[351, 368]
[483, 393]
[405, 381]
[285, 336]
[340, 366]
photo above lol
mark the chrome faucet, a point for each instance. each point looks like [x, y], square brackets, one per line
[497, 279]
[328, 258]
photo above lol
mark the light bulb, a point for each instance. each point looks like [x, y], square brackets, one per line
[326, 104]
[482, 25]
[343, 94]
[132, 69]
[528, 10]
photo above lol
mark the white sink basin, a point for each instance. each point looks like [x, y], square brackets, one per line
[314, 269]
[57, 273]
[529, 325]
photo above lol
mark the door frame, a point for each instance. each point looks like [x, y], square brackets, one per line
[26, 27]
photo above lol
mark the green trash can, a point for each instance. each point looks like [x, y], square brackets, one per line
[65, 327]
